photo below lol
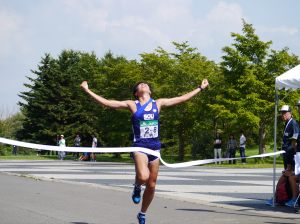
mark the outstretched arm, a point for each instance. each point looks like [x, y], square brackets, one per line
[105, 102]
[167, 102]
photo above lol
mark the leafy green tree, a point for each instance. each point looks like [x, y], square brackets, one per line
[117, 76]
[249, 73]
[9, 128]
[10, 125]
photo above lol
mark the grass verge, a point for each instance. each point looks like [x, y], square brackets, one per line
[266, 162]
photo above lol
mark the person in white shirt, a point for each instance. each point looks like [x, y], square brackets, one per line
[62, 143]
[94, 145]
[243, 147]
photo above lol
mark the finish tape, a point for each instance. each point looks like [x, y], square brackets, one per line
[127, 149]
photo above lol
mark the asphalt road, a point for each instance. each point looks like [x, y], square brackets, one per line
[48, 192]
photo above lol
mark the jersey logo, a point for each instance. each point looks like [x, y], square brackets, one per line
[148, 117]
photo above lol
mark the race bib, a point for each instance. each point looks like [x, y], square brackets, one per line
[149, 129]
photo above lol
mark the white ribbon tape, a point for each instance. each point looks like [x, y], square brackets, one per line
[297, 163]
[125, 149]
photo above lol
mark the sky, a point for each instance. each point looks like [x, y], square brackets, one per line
[30, 29]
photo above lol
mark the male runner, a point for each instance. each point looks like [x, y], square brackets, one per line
[145, 120]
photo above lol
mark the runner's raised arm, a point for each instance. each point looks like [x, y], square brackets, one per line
[115, 104]
[167, 102]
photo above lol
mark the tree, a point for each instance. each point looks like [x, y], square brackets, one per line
[53, 105]
[249, 68]
[240, 96]
[10, 125]
[118, 75]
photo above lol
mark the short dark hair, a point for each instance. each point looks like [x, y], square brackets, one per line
[135, 87]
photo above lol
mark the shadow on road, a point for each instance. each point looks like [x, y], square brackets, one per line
[248, 207]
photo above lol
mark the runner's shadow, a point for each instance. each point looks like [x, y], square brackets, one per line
[195, 210]
[259, 205]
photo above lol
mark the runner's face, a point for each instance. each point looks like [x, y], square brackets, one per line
[143, 88]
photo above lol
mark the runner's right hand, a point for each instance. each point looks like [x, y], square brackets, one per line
[84, 85]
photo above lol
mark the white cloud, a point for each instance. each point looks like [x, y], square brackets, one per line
[93, 16]
[142, 26]
[212, 32]
[10, 32]
[225, 17]
[132, 26]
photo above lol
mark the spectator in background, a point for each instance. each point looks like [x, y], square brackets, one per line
[290, 136]
[77, 141]
[14, 150]
[289, 145]
[243, 147]
[62, 143]
[231, 147]
[94, 145]
[294, 178]
[218, 147]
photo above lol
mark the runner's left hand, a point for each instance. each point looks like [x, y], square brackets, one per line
[204, 84]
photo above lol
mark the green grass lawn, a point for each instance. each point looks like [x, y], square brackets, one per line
[24, 157]
[100, 157]
[266, 162]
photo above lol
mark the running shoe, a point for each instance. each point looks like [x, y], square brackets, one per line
[136, 194]
[269, 202]
[142, 218]
[291, 203]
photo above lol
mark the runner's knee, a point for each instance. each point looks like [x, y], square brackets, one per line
[143, 177]
[151, 185]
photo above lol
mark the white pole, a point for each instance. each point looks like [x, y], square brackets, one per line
[275, 146]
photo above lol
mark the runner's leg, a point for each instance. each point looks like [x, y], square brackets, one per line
[141, 168]
[141, 175]
[150, 185]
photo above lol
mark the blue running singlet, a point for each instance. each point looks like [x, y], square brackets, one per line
[145, 126]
